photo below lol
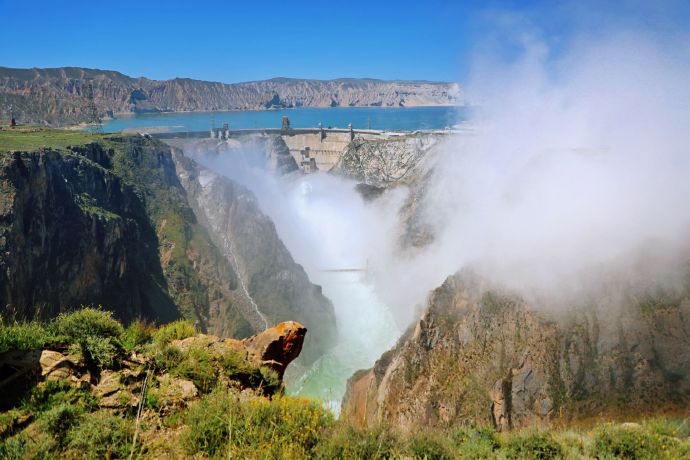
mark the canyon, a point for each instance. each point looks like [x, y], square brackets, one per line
[170, 228]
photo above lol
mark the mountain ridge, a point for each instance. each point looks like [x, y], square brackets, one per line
[60, 95]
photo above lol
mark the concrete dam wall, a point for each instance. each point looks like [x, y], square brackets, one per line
[313, 149]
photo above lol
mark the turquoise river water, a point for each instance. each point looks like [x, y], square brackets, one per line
[410, 119]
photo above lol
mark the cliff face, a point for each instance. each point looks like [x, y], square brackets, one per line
[273, 287]
[73, 233]
[478, 356]
[410, 162]
[57, 96]
[385, 162]
[128, 223]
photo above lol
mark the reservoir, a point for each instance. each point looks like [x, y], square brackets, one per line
[382, 118]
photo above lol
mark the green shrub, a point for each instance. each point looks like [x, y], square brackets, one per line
[15, 448]
[235, 363]
[197, 366]
[23, 336]
[56, 392]
[77, 326]
[136, 334]
[237, 367]
[471, 443]
[668, 426]
[8, 422]
[164, 357]
[104, 352]
[537, 446]
[153, 400]
[95, 332]
[428, 446]
[257, 428]
[22, 446]
[177, 330]
[270, 383]
[348, 442]
[58, 420]
[100, 435]
[628, 443]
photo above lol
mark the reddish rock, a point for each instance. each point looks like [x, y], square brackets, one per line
[278, 346]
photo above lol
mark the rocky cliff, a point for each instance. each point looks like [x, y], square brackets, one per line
[73, 232]
[481, 356]
[125, 222]
[385, 162]
[273, 287]
[58, 96]
[405, 161]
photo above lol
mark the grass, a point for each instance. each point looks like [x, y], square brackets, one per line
[177, 330]
[198, 366]
[636, 443]
[137, 334]
[220, 425]
[100, 435]
[89, 206]
[23, 336]
[536, 446]
[91, 332]
[30, 139]
[344, 441]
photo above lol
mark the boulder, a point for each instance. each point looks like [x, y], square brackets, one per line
[55, 365]
[278, 346]
[175, 390]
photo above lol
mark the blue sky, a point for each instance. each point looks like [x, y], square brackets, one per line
[234, 41]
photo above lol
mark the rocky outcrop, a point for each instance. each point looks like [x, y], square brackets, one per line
[478, 356]
[278, 346]
[121, 387]
[385, 162]
[57, 96]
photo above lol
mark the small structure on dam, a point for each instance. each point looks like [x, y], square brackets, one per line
[222, 133]
[307, 163]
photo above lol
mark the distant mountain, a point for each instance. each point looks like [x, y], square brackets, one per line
[59, 96]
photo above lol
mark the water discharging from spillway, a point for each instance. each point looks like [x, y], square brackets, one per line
[366, 329]
[331, 231]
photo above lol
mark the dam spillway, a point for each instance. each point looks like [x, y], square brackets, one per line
[312, 148]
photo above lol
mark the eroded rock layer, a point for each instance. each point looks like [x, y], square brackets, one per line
[478, 356]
